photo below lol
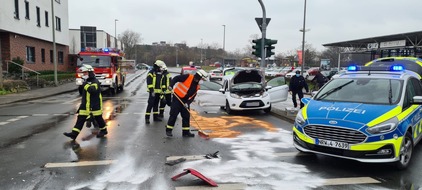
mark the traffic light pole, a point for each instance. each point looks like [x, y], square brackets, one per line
[264, 31]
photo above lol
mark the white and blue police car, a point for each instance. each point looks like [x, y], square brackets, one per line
[368, 114]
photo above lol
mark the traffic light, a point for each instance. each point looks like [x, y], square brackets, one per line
[257, 47]
[269, 46]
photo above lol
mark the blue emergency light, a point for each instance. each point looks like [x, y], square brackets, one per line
[106, 50]
[397, 68]
[352, 68]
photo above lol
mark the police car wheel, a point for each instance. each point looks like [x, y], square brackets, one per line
[406, 150]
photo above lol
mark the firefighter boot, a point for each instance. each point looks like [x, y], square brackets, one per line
[169, 132]
[161, 115]
[156, 118]
[147, 119]
[102, 133]
[71, 135]
[187, 133]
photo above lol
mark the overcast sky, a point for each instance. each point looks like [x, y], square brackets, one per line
[190, 21]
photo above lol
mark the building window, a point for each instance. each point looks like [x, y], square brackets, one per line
[38, 17]
[60, 56]
[43, 55]
[27, 10]
[58, 24]
[51, 56]
[17, 9]
[46, 18]
[30, 54]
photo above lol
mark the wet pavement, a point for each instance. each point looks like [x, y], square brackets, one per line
[283, 110]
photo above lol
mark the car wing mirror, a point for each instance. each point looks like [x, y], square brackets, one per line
[222, 90]
[417, 100]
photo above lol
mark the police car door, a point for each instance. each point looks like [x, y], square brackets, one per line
[279, 89]
[209, 94]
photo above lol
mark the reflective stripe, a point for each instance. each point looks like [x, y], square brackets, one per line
[103, 128]
[303, 137]
[76, 130]
[155, 113]
[148, 113]
[407, 112]
[304, 113]
[162, 108]
[169, 127]
[186, 128]
[388, 115]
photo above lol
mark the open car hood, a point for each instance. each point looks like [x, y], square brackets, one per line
[249, 75]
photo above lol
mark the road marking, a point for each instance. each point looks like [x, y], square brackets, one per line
[61, 114]
[290, 154]
[350, 181]
[22, 117]
[71, 101]
[76, 164]
[227, 186]
[14, 119]
[192, 157]
[3, 123]
[42, 114]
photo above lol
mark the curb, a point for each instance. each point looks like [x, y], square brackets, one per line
[282, 114]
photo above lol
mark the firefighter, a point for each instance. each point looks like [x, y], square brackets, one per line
[165, 98]
[184, 93]
[91, 104]
[154, 89]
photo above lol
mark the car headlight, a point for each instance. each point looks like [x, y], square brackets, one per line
[265, 94]
[299, 118]
[384, 127]
[235, 96]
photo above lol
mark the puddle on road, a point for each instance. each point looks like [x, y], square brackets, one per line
[112, 108]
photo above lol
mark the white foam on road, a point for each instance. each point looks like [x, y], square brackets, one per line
[256, 164]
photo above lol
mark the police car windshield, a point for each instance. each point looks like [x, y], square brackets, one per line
[95, 61]
[362, 90]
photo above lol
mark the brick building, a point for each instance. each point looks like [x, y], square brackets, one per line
[26, 32]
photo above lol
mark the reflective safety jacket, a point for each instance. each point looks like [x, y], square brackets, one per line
[165, 82]
[92, 100]
[154, 81]
[186, 88]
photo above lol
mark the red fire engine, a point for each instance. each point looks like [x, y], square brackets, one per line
[106, 68]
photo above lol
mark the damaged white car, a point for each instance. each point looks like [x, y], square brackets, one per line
[245, 90]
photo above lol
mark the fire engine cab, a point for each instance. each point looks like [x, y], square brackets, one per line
[106, 64]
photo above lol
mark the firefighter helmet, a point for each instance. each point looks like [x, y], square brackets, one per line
[160, 63]
[86, 68]
[202, 74]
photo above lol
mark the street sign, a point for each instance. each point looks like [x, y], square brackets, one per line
[259, 22]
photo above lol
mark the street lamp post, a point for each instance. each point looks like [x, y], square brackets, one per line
[201, 51]
[224, 43]
[303, 39]
[115, 33]
[56, 82]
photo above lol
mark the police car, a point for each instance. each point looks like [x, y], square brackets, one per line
[368, 114]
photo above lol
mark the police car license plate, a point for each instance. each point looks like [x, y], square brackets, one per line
[252, 104]
[334, 144]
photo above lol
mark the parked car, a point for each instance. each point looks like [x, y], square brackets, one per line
[216, 74]
[188, 70]
[284, 71]
[245, 90]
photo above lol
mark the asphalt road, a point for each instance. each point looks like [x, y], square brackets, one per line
[255, 151]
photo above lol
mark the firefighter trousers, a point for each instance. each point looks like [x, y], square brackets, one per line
[152, 105]
[175, 109]
[164, 100]
[83, 118]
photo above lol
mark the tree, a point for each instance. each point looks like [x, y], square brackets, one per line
[130, 39]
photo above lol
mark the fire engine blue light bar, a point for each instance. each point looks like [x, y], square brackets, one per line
[352, 68]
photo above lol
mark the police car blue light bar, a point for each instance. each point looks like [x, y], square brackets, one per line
[394, 68]
[397, 68]
[352, 68]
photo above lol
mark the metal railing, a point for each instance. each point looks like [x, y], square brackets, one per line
[23, 67]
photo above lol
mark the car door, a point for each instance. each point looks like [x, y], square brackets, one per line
[279, 90]
[209, 94]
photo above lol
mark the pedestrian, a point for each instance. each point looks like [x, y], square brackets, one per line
[184, 93]
[297, 83]
[191, 64]
[91, 104]
[320, 79]
[154, 88]
[165, 97]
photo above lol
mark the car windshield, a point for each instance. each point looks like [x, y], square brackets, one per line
[231, 72]
[246, 86]
[95, 61]
[361, 90]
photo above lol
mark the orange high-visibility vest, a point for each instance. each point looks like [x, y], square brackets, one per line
[182, 88]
